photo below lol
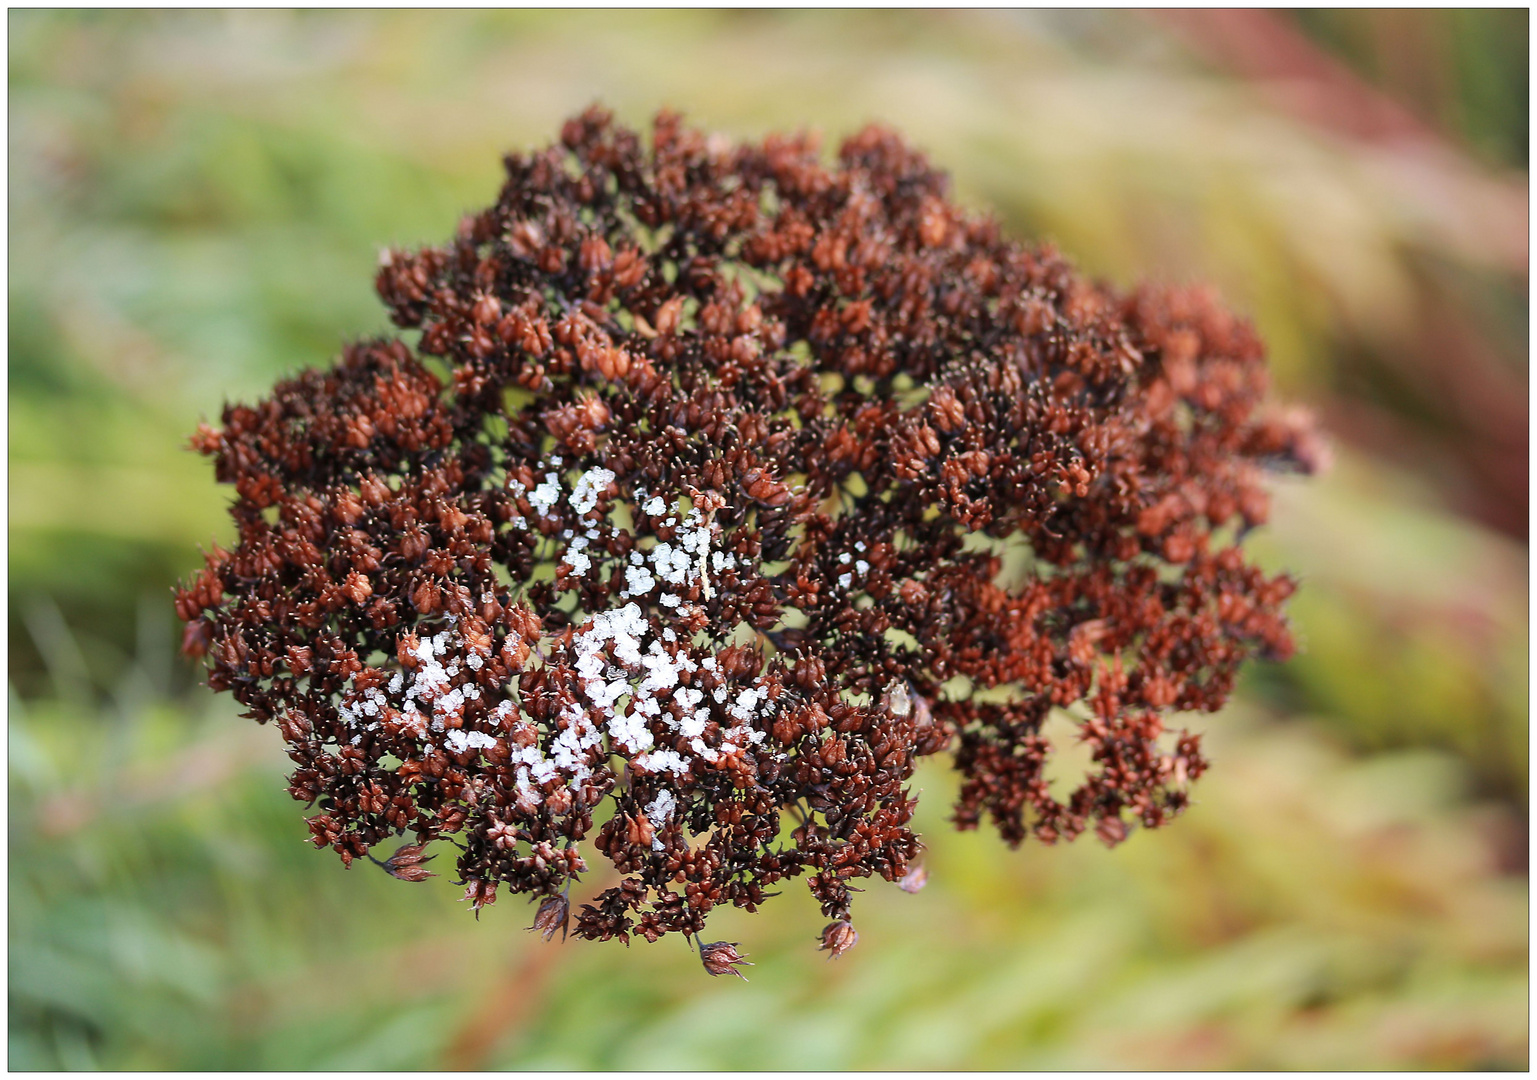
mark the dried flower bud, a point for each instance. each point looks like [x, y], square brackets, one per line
[406, 863]
[1112, 830]
[358, 588]
[487, 310]
[480, 894]
[838, 938]
[668, 316]
[553, 915]
[914, 880]
[205, 440]
[759, 485]
[721, 958]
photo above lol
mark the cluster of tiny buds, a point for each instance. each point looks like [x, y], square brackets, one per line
[716, 487]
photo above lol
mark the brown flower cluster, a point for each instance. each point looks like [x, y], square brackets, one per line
[719, 487]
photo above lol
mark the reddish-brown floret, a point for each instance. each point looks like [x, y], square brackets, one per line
[721, 958]
[838, 938]
[719, 487]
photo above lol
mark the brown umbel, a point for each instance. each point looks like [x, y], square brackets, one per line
[690, 510]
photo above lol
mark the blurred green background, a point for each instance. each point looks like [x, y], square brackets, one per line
[196, 204]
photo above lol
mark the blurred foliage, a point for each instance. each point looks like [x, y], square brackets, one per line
[197, 199]
[1463, 69]
[1312, 912]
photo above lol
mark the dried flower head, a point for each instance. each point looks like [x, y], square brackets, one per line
[720, 486]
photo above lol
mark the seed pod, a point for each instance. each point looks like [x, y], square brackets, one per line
[914, 880]
[487, 310]
[357, 587]
[480, 894]
[838, 938]
[721, 958]
[406, 864]
[554, 914]
[764, 488]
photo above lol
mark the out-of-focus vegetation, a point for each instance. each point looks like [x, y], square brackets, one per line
[196, 201]
[1463, 70]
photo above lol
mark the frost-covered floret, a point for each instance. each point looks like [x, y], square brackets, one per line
[459, 740]
[662, 761]
[589, 487]
[637, 580]
[575, 558]
[546, 495]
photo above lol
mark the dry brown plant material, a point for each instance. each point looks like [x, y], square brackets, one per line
[720, 486]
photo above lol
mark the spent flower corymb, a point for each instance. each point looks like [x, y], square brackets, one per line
[719, 486]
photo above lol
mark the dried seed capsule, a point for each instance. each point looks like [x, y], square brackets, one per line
[838, 938]
[914, 880]
[554, 914]
[406, 864]
[721, 958]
